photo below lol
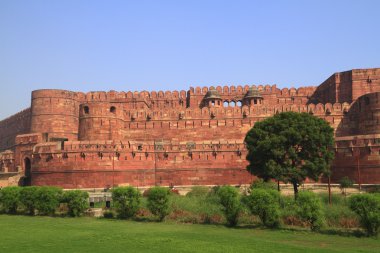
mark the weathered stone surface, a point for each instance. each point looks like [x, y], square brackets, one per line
[194, 137]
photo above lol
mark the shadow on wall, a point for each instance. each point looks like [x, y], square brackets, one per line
[357, 142]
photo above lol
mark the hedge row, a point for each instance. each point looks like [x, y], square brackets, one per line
[41, 200]
[262, 201]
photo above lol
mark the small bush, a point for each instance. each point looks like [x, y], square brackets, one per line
[265, 204]
[47, 199]
[345, 183]
[309, 209]
[261, 184]
[10, 199]
[205, 208]
[158, 201]
[76, 202]
[340, 216]
[230, 201]
[127, 201]
[367, 207]
[28, 196]
[108, 214]
[198, 191]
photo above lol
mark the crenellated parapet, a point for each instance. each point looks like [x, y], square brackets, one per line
[236, 94]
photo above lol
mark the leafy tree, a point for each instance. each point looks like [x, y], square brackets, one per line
[344, 183]
[290, 147]
[76, 202]
[158, 201]
[10, 199]
[127, 201]
[367, 207]
[265, 204]
[230, 200]
[47, 199]
[309, 209]
[28, 196]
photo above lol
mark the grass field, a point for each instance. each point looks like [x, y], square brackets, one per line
[47, 234]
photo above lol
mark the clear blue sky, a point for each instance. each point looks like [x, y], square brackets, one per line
[167, 45]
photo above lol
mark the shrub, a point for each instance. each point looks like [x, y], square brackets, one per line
[158, 201]
[127, 201]
[10, 199]
[265, 204]
[108, 214]
[345, 183]
[28, 196]
[47, 199]
[309, 209]
[198, 191]
[205, 208]
[76, 202]
[367, 207]
[230, 201]
[261, 184]
[340, 216]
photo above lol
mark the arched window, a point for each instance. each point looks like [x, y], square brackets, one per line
[113, 109]
[225, 104]
[86, 110]
[233, 103]
[213, 103]
[239, 103]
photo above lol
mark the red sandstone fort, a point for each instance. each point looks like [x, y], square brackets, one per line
[180, 138]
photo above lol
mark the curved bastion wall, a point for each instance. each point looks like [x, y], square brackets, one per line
[195, 137]
[55, 113]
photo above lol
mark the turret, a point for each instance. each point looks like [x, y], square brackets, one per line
[253, 97]
[55, 114]
[101, 121]
[212, 98]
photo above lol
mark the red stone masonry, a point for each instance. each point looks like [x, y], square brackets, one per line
[194, 137]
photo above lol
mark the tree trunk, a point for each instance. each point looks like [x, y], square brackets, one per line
[295, 187]
[329, 185]
[278, 185]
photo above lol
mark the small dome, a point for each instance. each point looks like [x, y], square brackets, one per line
[213, 93]
[253, 92]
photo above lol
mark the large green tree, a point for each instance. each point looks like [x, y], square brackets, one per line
[290, 147]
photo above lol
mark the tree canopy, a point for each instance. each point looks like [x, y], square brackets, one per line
[290, 147]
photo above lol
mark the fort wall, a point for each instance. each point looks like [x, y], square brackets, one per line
[348, 86]
[13, 126]
[358, 158]
[101, 139]
[87, 164]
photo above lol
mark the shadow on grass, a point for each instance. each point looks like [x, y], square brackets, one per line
[328, 231]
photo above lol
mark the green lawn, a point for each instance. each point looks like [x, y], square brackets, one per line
[47, 234]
